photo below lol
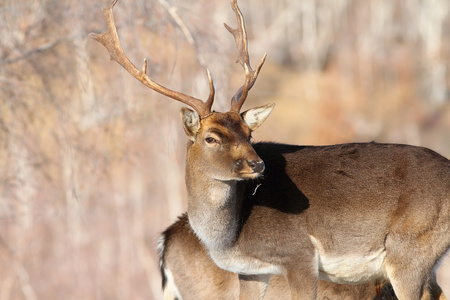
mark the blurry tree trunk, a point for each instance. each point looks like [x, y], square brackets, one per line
[145, 252]
[87, 113]
[25, 193]
[124, 250]
[173, 174]
[432, 15]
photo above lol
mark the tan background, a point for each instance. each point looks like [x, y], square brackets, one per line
[92, 163]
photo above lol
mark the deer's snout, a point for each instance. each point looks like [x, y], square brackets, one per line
[256, 166]
[249, 168]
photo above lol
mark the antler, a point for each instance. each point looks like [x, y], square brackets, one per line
[110, 40]
[240, 36]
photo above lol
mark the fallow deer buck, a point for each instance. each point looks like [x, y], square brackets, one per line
[349, 213]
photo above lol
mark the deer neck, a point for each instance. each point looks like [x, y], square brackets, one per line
[213, 209]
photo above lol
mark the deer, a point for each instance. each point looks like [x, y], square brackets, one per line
[347, 213]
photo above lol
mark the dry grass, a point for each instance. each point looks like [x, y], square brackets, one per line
[92, 164]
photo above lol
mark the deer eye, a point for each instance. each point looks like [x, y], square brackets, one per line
[210, 140]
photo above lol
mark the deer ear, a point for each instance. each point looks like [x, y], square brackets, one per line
[254, 117]
[191, 122]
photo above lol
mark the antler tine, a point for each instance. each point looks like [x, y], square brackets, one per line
[110, 40]
[240, 36]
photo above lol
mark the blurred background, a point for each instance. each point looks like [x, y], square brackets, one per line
[92, 162]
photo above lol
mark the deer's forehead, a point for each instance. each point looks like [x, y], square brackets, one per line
[226, 123]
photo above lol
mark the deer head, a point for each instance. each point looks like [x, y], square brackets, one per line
[221, 141]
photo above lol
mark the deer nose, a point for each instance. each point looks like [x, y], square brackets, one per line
[256, 166]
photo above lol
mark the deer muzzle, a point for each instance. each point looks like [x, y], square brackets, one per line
[249, 169]
[256, 166]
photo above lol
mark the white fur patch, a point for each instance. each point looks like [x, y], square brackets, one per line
[349, 268]
[170, 290]
[219, 194]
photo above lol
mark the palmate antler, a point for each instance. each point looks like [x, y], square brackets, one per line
[240, 36]
[110, 40]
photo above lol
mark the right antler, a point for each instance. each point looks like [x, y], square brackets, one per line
[110, 40]
[240, 36]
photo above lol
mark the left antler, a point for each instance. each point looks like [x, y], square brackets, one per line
[240, 36]
[110, 40]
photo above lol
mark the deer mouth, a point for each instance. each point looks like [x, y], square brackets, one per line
[250, 175]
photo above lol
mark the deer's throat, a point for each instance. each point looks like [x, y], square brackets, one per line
[213, 213]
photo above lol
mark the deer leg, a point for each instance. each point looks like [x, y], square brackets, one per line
[407, 280]
[253, 286]
[302, 284]
[410, 261]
